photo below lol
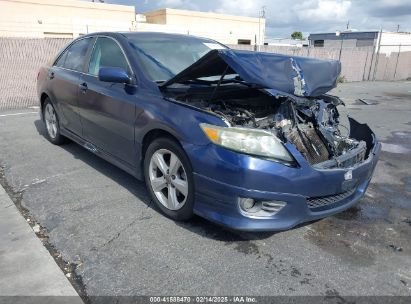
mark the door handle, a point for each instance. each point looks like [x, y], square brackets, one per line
[51, 75]
[83, 87]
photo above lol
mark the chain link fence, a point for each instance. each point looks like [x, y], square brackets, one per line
[21, 58]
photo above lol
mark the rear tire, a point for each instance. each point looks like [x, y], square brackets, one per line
[52, 124]
[169, 178]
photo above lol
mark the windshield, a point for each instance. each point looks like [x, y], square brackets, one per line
[164, 57]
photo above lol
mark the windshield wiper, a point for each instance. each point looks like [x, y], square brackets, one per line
[233, 80]
[219, 82]
[211, 82]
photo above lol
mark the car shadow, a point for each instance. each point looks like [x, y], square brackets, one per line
[197, 224]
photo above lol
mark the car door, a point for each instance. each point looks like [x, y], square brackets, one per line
[64, 80]
[108, 109]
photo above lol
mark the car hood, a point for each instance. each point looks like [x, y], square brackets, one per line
[300, 76]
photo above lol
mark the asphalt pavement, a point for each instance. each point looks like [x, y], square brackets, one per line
[101, 220]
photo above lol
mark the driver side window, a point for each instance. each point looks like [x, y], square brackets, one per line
[107, 53]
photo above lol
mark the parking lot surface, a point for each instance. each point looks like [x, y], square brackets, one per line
[101, 220]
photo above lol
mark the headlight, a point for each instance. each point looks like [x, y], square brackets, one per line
[254, 142]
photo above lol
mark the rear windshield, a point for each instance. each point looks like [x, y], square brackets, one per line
[164, 57]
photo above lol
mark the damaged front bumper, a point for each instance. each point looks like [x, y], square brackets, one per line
[223, 178]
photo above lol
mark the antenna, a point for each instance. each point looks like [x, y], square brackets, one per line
[263, 11]
[261, 14]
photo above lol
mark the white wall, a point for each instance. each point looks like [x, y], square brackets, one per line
[224, 28]
[390, 42]
[61, 18]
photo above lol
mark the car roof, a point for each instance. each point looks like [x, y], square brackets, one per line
[149, 35]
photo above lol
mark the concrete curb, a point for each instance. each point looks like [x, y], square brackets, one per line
[26, 267]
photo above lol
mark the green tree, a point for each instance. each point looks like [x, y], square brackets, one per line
[297, 35]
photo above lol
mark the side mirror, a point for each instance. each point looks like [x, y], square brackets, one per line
[117, 75]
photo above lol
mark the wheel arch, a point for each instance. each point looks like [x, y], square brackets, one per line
[43, 98]
[149, 137]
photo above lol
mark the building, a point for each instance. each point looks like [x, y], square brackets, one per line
[62, 18]
[286, 42]
[383, 42]
[227, 29]
[350, 39]
[71, 18]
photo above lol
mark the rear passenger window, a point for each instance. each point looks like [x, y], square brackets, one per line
[74, 57]
[60, 61]
[107, 53]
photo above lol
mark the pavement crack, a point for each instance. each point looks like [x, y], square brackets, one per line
[117, 235]
[334, 294]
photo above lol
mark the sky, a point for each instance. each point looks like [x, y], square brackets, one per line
[308, 16]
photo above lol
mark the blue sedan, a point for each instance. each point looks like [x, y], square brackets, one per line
[249, 140]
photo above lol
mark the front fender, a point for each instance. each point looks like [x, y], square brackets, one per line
[179, 120]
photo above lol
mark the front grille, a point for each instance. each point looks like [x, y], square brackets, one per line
[321, 201]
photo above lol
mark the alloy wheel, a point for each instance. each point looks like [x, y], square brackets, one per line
[168, 179]
[51, 120]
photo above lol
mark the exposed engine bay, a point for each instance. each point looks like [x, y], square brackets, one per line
[311, 124]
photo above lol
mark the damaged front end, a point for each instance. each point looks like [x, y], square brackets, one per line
[282, 96]
[313, 126]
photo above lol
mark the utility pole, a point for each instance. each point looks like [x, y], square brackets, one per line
[348, 24]
[377, 55]
[259, 31]
[261, 14]
[398, 28]
[340, 35]
[396, 63]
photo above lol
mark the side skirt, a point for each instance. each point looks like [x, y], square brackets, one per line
[106, 156]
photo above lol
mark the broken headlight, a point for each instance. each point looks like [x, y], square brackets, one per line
[253, 142]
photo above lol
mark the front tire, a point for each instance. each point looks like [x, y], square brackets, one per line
[52, 123]
[169, 178]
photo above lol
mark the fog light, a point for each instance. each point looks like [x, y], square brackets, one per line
[246, 204]
[254, 208]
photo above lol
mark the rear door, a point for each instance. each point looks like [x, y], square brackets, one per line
[64, 80]
[108, 109]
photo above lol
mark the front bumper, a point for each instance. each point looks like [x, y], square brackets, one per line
[222, 177]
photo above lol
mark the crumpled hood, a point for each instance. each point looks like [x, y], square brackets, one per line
[301, 76]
